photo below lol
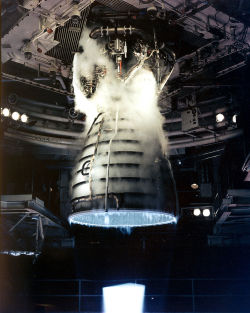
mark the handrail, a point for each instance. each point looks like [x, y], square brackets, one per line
[191, 293]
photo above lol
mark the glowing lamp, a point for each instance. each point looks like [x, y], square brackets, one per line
[220, 118]
[6, 112]
[123, 298]
[197, 212]
[15, 116]
[24, 118]
[234, 118]
[206, 212]
[194, 186]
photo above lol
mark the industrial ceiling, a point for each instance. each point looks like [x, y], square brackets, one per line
[205, 113]
[210, 44]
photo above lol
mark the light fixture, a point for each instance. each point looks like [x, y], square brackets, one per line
[197, 212]
[6, 112]
[220, 118]
[194, 186]
[206, 212]
[24, 118]
[15, 116]
[234, 118]
[124, 298]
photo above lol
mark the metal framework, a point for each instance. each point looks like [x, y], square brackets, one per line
[22, 212]
[186, 295]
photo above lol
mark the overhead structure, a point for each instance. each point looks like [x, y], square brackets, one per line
[218, 46]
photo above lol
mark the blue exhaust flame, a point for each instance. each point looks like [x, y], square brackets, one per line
[121, 219]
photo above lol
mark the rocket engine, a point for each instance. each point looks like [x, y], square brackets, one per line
[122, 177]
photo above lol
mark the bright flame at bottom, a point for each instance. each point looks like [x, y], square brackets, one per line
[124, 298]
[122, 218]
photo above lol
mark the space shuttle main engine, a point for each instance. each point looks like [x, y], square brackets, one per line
[122, 178]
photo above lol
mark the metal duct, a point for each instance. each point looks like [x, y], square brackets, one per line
[110, 31]
[120, 181]
[118, 5]
[68, 36]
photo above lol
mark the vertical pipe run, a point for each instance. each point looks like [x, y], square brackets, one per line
[93, 156]
[108, 163]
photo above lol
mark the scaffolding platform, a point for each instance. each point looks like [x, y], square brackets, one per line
[233, 226]
[26, 224]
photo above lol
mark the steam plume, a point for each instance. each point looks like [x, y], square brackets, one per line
[137, 98]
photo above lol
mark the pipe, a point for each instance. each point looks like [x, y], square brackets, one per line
[246, 165]
[108, 163]
[167, 52]
[136, 67]
[52, 131]
[100, 31]
[35, 84]
[207, 114]
[216, 136]
[164, 80]
[61, 81]
[204, 141]
[43, 141]
[205, 102]
[42, 79]
[134, 70]
[41, 210]
[42, 104]
[180, 132]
